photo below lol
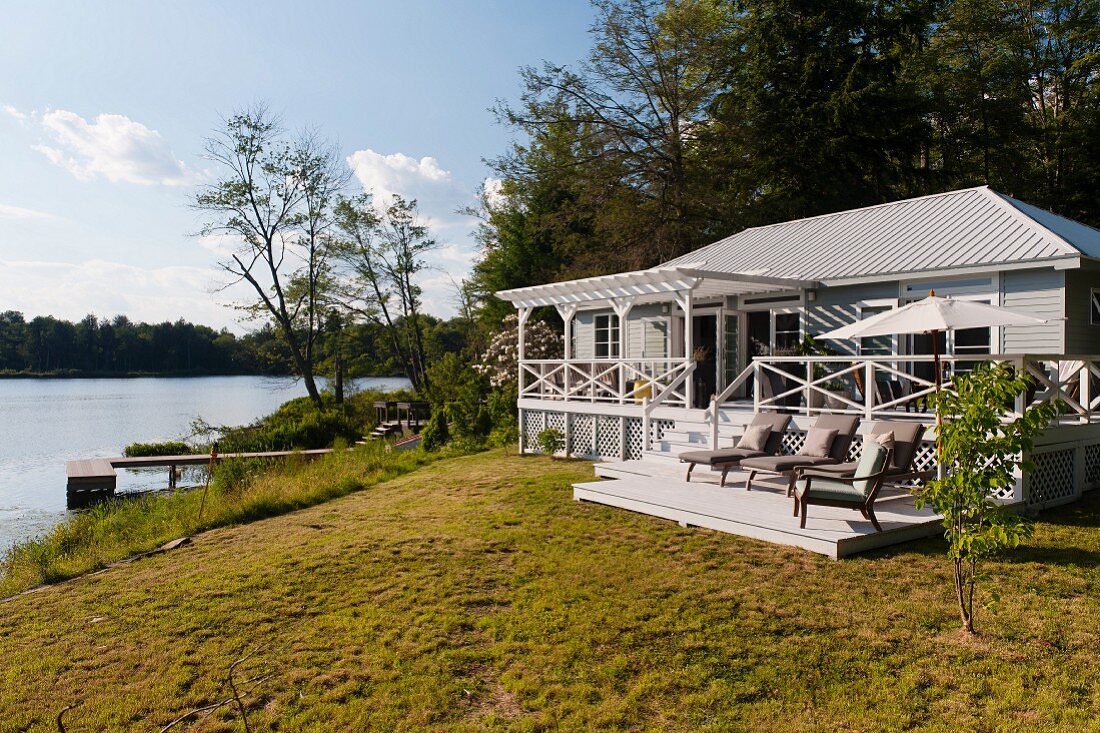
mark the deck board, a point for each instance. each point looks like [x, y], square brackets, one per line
[658, 489]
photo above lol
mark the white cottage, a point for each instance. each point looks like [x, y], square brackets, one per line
[684, 354]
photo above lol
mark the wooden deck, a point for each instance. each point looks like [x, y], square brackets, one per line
[658, 488]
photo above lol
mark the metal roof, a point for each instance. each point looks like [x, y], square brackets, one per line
[958, 229]
[643, 286]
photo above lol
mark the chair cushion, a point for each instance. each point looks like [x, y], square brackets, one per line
[870, 463]
[718, 457]
[783, 464]
[755, 438]
[824, 488]
[819, 441]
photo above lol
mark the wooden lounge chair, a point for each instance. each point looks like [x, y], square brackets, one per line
[727, 458]
[845, 425]
[857, 491]
[907, 440]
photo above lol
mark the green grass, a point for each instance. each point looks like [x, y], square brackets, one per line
[474, 594]
[242, 491]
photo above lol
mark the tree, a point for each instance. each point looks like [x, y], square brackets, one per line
[816, 115]
[983, 451]
[632, 113]
[382, 255]
[276, 197]
[1015, 102]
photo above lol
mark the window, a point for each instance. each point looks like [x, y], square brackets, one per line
[607, 337]
[875, 345]
[1094, 308]
[788, 332]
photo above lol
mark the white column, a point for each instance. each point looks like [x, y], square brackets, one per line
[685, 302]
[567, 313]
[622, 308]
[523, 315]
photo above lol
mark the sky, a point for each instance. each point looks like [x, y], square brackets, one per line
[104, 108]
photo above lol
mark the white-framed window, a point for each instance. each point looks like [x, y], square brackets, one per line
[786, 330]
[607, 336]
[877, 345]
[1094, 307]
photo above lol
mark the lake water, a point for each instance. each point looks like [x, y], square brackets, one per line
[45, 422]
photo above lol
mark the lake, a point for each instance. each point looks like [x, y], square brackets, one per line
[45, 422]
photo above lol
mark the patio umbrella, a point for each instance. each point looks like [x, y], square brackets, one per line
[931, 316]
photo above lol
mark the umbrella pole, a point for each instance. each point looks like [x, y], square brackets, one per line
[939, 417]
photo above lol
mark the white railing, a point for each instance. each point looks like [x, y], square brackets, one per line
[658, 381]
[884, 386]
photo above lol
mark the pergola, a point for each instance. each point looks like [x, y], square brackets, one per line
[681, 284]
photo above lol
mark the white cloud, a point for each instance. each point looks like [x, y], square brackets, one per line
[397, 173]
[112, 147]
[440, 198]
[72, 290]
[494, 191]
[18, 212]
[21, 116]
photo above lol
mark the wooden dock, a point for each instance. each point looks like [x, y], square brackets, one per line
[90, 479]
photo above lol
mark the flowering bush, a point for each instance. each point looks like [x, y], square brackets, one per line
[501, 361]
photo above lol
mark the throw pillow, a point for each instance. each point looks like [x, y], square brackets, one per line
[886, 440]
[819, 441]
[755, 437]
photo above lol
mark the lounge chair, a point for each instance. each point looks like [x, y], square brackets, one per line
[727, 458]
[845, 425]
[907, 439]
[857, 491]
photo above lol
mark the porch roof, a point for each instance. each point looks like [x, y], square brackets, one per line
[653, 285]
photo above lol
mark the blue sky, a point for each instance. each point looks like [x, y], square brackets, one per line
[104, 106]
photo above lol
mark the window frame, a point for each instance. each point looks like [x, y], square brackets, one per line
[610, 332]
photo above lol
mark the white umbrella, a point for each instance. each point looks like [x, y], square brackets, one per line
[932, 315]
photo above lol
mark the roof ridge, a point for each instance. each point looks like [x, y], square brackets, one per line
[861, 208]
[1005, 202]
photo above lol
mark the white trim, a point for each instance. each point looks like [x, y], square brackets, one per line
[654, 282]
[1094, 301]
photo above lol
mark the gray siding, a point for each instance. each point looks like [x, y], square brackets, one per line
[645, 332]
[836, 307]
[1037, 293]
[584, 334]
[1081, 336]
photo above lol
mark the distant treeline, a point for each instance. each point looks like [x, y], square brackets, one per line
[48, 345]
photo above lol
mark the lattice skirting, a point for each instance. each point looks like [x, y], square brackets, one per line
[592, 436]
[1090, 454]
[1054, 478]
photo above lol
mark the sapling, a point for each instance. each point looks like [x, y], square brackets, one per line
[983, 444]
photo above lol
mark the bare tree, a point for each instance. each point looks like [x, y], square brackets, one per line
[382, 254]
[276, 196]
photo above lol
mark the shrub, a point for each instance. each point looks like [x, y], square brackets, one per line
[435, 434]
[550, 441]
[164, 448]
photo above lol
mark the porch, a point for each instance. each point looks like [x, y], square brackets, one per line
[638, 434]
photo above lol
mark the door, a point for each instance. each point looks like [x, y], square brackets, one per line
[704, 337]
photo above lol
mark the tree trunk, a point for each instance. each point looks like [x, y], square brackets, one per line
[338, 380]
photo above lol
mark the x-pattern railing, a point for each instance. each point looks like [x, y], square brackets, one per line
[606, 381]
[870, 382]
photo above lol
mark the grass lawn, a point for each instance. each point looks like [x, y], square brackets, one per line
[474, 594]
